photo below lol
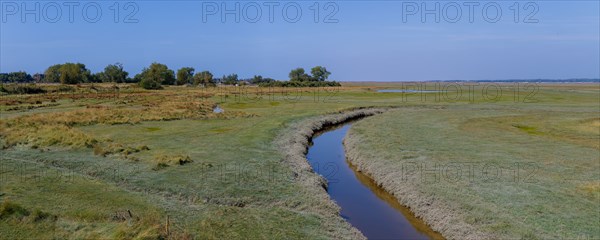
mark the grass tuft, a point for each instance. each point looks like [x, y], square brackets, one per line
[163, 161]
[8, 208]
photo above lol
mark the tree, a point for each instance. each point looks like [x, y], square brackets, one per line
[205, 78]
[19, 77]
[114, 73]
[230, 79]
[137, 78]
[298, 75]
[3, 77]
[38, 77]
[155, 75]
[147, 80]
[52, 74]
[319, 73]
[96, 77]
[259, 80]
[73, 73]
[256, 79]
[185, 75]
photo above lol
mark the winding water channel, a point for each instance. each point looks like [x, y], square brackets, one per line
[369, 208]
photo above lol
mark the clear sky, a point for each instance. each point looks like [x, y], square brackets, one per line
[371, 40]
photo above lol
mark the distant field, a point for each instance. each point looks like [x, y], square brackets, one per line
[74, 161]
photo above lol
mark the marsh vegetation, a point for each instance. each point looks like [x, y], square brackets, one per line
[90, 161]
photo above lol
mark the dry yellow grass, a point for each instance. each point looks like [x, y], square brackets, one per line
[60, 128]
[164, 160]
[591, 188]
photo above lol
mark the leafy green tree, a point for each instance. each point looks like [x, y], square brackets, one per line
[3, 77]
[230, 79]
[298, 75]
[38, 77]
[319, 73]
[155, 75]
[19, 77]
[73, 73]
[185, 75]
[137, 78]
[205, 78]
[96, 77]
[148, 81]
[259, 80]
[52, 74]
[150, 84]
[114, 73]
[256, 79]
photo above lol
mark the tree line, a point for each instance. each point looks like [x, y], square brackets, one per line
[156, 75]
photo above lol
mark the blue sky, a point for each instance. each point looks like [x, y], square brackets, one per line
[369, 42]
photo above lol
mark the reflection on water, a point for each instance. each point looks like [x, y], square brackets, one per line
[366, 206]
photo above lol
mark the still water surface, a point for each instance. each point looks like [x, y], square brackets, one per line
[376, 213]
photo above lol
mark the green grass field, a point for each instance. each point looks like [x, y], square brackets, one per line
[524, 171]
[75, 165]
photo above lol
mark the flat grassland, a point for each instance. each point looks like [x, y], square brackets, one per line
[97, 162]
[523, 171]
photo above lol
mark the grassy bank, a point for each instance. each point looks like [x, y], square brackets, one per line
[472, 172]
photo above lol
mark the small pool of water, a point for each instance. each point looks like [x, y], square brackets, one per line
[218, 109]
[369, 208]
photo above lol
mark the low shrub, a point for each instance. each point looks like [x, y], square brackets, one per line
[8, 208]
[39, 215]
[163, 161]
[21, 89]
